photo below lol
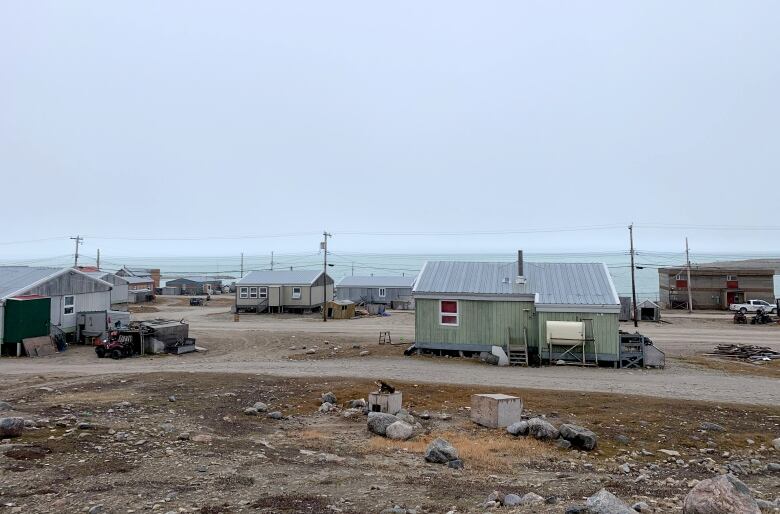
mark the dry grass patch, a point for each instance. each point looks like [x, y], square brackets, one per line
[483, 452]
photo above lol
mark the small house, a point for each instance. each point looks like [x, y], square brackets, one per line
[26, 292]
[283, 291]
[648, 311]
[152, 274]
[119, 286]
[341, 309]
[476, 306]
[195, 285]
[385, 290]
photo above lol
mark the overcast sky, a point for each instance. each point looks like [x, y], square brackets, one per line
[200, 119]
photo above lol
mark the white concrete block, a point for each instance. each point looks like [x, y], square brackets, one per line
[499, 352]
[496, 410]
[385, 402]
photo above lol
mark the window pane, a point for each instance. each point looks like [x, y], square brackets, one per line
[449, 320]
[449, 306]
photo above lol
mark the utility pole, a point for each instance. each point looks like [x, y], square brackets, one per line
[79, 240]
[353, 269]
[324, 247]
[98, 260]
[242, 264]
[633, 278]
[272, 261]
[688, 270]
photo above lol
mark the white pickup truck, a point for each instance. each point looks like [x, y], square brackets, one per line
[753, 306]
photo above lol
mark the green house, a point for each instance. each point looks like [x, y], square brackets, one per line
[477, 306]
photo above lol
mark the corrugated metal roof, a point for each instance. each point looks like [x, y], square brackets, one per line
[15, 278]
[554, 283]
[376, 281]
[194, 278]
[264, 278]
[486, 278]
[567, 283]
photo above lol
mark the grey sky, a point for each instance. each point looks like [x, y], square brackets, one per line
[184, 118]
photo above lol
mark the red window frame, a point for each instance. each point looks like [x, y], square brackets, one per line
[449, 313]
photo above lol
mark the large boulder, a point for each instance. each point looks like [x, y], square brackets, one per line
[440, 451]
[328, 397]
[578, 436]
[541, 429]
[720, 495]
[604, 502]
[379, 421]
[518, 428]
[11, 427]
[399, 431]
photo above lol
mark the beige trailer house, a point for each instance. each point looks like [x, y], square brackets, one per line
[283, 291]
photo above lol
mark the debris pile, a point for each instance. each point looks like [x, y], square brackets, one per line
[745, 351]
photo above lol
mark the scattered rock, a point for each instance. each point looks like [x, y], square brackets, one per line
[720, 495]
[455, 464]
[512, 500]
[260, 407]
[642, 507]
[328, 398]
[776, 443]
[364, 353]
[326, 407]
[167, 427]
[541, 429]
[379, 421]
[4, 406]
[121, 437]
[11, 427]
[774, 467]
[767, 506]
[202, 438]
[311, 351]
[440, 451]
[427, 415]
[578, 436]
[712, 427]
[96, 509]
[518, 428]
[356, 404]
[171, 398]
[275, 415]
[623, 439]
[531, 499]
[562, 443]
[184, 436]
[625, 468]
[399, 430]
[85, 426]
[670, 453]
[250, 411]
[604, 502]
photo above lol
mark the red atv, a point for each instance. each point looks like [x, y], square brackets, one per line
[116, 346]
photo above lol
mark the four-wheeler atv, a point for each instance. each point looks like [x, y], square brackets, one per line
[116, 346]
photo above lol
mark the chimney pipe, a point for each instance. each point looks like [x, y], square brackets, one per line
[519, 263]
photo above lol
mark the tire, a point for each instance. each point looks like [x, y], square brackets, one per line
[116, 354]
[743, 310]
[101, 352]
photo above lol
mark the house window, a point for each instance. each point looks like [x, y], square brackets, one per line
[252, 292]
[243, 292]
[382, 292]
[296, 293]
[69, 305]
[448, 312]
[263, 292]
[731, 277]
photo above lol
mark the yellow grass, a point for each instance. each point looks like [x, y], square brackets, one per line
[488, 453]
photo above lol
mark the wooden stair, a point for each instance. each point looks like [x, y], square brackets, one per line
[518, 355]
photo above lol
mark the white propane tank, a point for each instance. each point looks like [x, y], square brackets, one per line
[565, 331]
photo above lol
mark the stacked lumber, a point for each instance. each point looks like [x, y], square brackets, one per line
[745, 351]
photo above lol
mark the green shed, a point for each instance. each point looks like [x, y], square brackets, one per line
[26, 316]
[476, 306]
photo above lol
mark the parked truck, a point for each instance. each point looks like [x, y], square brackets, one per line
[754, 306]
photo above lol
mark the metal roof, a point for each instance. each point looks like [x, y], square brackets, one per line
[552, 283]
[567, 283]
[282, 278]
[15, 280]
[480, 278]
[377, 281]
